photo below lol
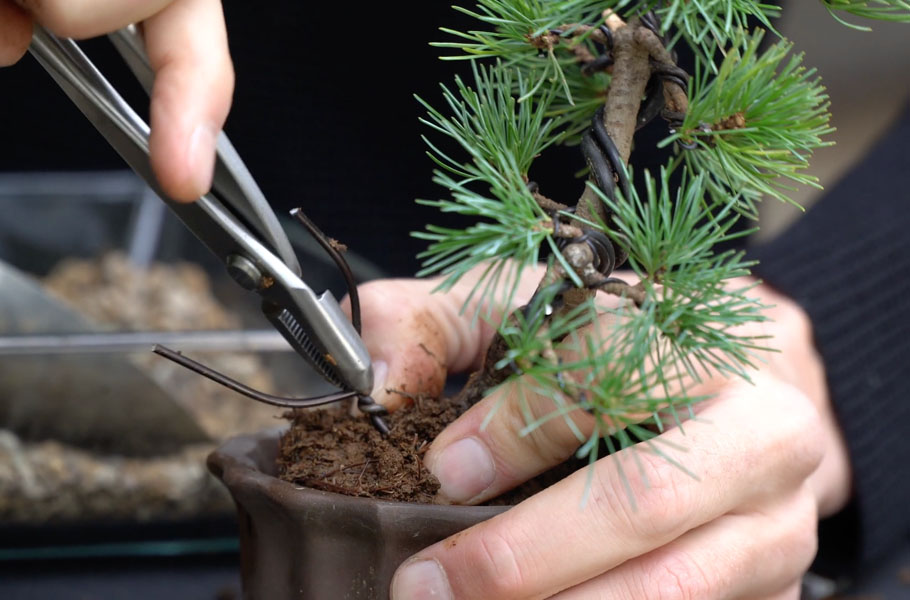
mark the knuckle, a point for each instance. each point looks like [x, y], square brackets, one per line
[792, 533]
[547, 444]
[785, 315]
[610, 501]
[497, 567]
[663, 502]
[677, 576]
[799, 435]
[809, 438]
[807, 550]
[646, 500]
[804, 532]
[229, 76]
[521, 429]
[793, 319]
[221, 74]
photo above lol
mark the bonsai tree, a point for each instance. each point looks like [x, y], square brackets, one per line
[617, 356]
[741, 123]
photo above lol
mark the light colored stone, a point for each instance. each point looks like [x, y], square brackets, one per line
[48, 482]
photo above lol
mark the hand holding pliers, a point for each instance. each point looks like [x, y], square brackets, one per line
[235, 222]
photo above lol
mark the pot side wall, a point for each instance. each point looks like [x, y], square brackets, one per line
[301, 543]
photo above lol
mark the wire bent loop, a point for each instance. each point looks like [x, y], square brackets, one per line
[370, 407]
[240, 388]
[373, 409]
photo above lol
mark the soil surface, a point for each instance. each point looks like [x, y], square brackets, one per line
[331, 450]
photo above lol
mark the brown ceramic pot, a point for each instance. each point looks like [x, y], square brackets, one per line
[302, 543]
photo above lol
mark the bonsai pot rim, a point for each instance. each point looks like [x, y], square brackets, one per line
[298, 542]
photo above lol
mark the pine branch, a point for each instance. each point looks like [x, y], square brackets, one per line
[670, 241]
[897, 11]
[756, 123]
[501, 136]
[746, 124]
[707, 24]
[519, 34]
[641, 363]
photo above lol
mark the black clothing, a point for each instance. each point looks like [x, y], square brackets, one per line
[847, 262]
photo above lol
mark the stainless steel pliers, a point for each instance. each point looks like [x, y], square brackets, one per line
[234, 220]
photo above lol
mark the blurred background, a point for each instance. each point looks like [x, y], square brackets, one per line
[103, 486]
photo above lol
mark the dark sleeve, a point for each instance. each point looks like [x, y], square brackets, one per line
[847, 262]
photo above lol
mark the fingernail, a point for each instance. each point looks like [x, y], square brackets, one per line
[419, 579]
[464, 469]
[201, 157]
[380, 372]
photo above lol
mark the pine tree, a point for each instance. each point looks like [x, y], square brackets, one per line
[589, 73]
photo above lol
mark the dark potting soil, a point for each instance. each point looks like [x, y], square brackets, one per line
[331, 450]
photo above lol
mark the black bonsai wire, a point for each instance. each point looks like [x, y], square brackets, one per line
[365, 403]
[331, 249]
[601, 154]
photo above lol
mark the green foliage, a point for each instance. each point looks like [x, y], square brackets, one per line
[514, 34]
[670, 238]
[706, 24]
[668, 230]
[882, 10]
[608, 370]
[501, 136]
[572, 112]
[755, 123]
[753, 120]
[696, 314]
[637, 363]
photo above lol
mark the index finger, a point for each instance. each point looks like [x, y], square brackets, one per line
[194, 78]
[89, 18]
[15, 33]
[194, 84]
[742, 450]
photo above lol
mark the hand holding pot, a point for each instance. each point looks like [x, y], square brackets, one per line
[767, 461]
[187, 46]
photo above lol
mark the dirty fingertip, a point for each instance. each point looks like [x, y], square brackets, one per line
[386, 392]
[380, 374]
